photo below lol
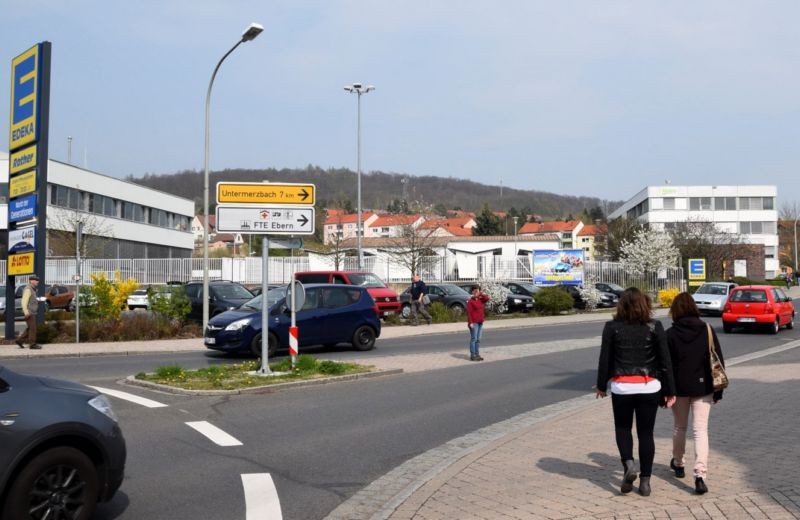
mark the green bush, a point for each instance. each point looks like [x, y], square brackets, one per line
[552, 301]
[133, 327]
[441, 314]
[331, 368]
[170, 301]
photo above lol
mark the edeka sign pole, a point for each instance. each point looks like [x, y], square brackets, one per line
[29, 124]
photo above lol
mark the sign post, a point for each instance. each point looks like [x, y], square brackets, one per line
[27, 170]
[269, 209]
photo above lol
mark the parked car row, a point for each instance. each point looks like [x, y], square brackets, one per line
[55, 297]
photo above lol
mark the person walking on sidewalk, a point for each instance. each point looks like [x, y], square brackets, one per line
[688, 341]
[418, 293]
[30, 307]
[636, 368]
[475, 316]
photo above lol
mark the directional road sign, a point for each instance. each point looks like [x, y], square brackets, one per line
[265, 219]
[265, 193]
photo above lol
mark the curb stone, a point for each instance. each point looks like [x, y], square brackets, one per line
[266, 389]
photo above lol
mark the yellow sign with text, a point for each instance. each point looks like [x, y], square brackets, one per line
[22, 184]
[20, 264]
[265, 193]
[24, 101]
[22, 160]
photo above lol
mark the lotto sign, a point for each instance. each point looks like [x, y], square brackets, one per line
[25, 75]
[20, 264]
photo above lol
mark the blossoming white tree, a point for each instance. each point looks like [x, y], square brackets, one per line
[648, 250]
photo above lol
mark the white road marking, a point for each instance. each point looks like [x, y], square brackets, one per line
[260, 497]
[130, 397]
[216, 435]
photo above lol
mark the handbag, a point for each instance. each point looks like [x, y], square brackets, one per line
[718, 376]
[426, 300]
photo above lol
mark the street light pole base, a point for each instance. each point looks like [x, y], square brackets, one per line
[266, 373]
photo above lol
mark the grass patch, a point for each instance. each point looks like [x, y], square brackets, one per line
[235, 376]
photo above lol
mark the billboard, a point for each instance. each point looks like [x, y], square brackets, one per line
[556, 266]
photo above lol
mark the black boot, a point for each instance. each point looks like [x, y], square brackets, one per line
[700, 486]
[629, 477]
[644, 486]
[680, 471]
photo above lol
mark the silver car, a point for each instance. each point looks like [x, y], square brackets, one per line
[711, 297]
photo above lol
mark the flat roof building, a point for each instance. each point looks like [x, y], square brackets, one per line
[121, 219]
[749, 211]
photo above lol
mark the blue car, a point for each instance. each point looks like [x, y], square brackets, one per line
[331, 314]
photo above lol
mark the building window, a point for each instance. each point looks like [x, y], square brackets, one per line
[700, 203]
[758, 228]
[768, 202]
[725, 203]
[769, 252]
[756, 203]
[669, 202]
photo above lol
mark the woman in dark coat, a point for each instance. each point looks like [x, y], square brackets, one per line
[635, 367]
[688, 341]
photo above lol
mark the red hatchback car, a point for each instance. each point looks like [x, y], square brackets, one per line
[758, 306]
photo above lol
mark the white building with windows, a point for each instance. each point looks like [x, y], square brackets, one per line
[749, 211]
[131, 221]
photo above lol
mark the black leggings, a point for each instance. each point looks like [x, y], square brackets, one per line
[645, 407]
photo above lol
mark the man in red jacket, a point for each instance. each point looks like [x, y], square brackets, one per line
[475, 316]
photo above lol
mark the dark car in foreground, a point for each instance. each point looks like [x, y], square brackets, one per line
[608, 287]
[222, 296]
[61, 449]
[523, 288]
[331, 314]
[764, 306]
[451, 296]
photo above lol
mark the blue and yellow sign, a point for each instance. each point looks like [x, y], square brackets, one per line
[25, 70]
[697, 269]
[22, 160]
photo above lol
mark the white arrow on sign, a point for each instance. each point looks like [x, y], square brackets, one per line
[265, 219]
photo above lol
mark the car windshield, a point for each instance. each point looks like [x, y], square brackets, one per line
[365, 280]
[140, 292]
[719, 290]
[453, 290]
[232, 291]
[529, 287]
[615, 287]
[273, 296]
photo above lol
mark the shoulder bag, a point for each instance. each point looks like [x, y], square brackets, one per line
[426, 299]
[718, 375]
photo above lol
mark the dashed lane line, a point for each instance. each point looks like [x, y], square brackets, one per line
[216, 435]
[260, 497]
[149, 403]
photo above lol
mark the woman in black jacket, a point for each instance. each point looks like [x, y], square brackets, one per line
[688, 340]
[635, 367]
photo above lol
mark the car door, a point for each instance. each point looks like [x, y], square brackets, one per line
[436, 294]
[339, 319]
[194, 293]
[785, 308]
[309, 319]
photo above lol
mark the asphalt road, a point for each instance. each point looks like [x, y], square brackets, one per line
[322, 444]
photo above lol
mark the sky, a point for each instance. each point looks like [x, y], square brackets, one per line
[596, 98]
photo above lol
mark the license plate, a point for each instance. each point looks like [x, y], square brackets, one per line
[746, 320]
[528, 305]
[211, 341]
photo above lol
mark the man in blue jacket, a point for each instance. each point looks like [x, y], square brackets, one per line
[418, 292]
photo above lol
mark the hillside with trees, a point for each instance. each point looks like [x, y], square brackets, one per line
[336, 187]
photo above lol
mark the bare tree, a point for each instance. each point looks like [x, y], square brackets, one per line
[336, 248]
[619, 231]
[62, 225]
[703, 239]
[788, 218]
[412, 244]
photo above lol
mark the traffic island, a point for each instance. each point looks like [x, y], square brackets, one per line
[241, 379]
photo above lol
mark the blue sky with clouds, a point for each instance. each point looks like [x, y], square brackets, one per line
[575, 97]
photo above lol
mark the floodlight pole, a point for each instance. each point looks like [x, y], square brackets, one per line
[356, 88]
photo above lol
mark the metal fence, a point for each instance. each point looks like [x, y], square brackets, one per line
[248, 270]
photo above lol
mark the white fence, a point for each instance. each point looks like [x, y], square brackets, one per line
[248, 270]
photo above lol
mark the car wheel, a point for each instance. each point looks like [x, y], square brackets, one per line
[727, 327]
[364, 338]
[775, 327]
[58, 483]
[272, 345]
[405, 311]
[790, 325]
[457, 309]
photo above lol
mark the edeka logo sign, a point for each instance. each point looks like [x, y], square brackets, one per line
[23, 208]
[24, 91]
[20, 264]
[22, 160]
[22, 184]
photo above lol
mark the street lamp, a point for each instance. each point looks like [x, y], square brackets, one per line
[357, 88]
[250, 33]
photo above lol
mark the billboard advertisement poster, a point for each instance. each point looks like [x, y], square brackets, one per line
[21, 264]
[558, 266]
[23, 208]
[22, 240]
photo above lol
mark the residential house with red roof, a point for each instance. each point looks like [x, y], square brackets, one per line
[454, 227]
[342, 226]
[590, 237]
[392, 225]
[567, 231]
